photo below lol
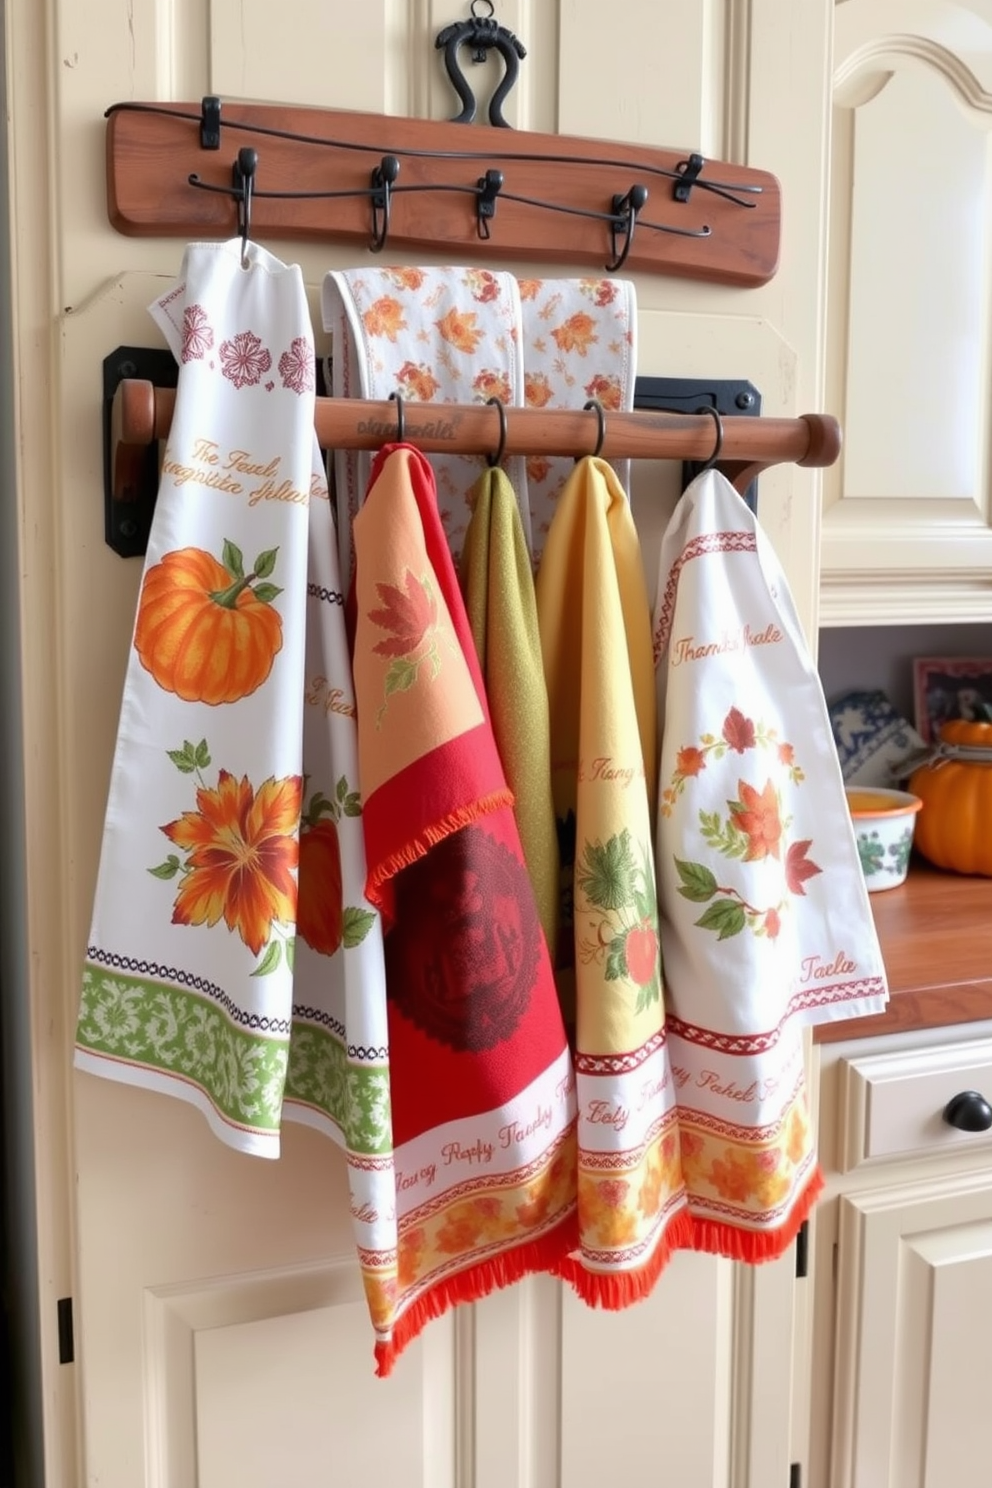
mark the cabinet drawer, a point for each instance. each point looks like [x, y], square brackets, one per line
[894, 1104]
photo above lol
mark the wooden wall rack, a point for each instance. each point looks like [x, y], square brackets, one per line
[474, 192]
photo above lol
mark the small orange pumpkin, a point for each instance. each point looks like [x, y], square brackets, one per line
[205, 630]
[319, 912]
[954, 829]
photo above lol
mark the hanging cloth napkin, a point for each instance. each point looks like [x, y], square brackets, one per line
[482, 1089]
[498, 586]
[234, 726]
[765, 917]
[579, 342]
[442, 335]
[595, 627]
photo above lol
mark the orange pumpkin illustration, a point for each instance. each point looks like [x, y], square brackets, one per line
[205, 630]
[319, 911]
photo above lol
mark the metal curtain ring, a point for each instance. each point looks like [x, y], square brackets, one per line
[400, 417]
[600, 412]
[497, 458]
[715, 415]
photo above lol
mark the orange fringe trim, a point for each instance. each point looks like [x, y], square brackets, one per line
[615, 1290]
[755, 1246]
[380, 876]
[475, 1283]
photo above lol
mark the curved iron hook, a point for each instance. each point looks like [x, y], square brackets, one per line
[497, 459]
[600, 412]
[384, 178]
[243, 177]
[400, 417]
[482, 33]
[625, 210]
[714, 457]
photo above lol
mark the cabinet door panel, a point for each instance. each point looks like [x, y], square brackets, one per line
[907, 530]
[914, 1312]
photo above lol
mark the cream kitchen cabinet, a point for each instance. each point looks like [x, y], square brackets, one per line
[907, 521]
[902, 1251]
[220, 1333]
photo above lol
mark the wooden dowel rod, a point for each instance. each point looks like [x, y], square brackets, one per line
[143, 413]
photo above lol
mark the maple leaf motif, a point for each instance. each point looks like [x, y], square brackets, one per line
[459, 328]
[409, 615]
[756, 815]
[798, 867]
[738, 731]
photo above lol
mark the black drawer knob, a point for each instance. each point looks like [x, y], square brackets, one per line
[969, 1111]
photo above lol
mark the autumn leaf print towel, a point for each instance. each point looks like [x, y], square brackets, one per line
[764, 912]
[595, 627]
[432, 335]
[481, 1078]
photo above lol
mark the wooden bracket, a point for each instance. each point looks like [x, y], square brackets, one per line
[473, 193]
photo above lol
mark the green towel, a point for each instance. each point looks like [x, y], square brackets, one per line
[498, 586]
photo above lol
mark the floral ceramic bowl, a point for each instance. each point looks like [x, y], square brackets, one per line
[883, 825]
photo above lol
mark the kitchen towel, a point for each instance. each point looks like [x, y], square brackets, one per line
[481, 1082]
[595, 626]
[765, 918]
[433, 335]
[579, 340]
[235, 774]
[498, 586]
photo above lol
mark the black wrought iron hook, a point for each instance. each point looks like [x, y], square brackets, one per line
[625, 210]
[244, 184]
[397, 398]
[600, 412]
[483, 33]
[718, 446]
[384, 178]
[489, 187]
[497, 458]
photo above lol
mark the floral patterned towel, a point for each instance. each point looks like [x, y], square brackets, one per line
[208, 976]
[595, 628]
[442, 335]
[579, 342]
[480, 1074]
[765, 916]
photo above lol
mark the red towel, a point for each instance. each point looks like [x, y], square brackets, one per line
[480, 1075]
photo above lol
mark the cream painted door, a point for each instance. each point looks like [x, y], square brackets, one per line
[914, 1301]
[220, 1333]
[907, 524]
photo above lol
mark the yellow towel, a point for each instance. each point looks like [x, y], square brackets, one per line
[595, 628]
[498, 585]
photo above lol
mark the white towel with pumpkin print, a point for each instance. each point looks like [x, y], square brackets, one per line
[208, 976]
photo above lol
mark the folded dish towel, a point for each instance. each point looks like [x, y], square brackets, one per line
[480, 1074]
[766, 924]
[596, 637]
[443, 335]
[579, 339]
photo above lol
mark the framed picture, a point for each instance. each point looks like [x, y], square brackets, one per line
[945, 688]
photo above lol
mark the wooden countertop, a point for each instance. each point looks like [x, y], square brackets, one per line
[936, 937]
